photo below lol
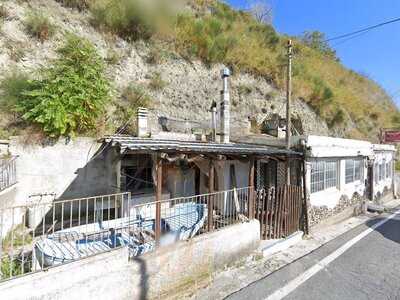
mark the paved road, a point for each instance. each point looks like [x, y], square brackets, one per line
[369, 269]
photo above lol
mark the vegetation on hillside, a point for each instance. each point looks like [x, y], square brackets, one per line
[215, 33]
[69, 97]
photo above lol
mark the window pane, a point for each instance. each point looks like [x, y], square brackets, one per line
[317, 176]
[357, 169]
[349, 176]
[330, 174]
[381, 171]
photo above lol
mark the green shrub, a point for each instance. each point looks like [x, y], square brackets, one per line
[12, 88]
[71, 94]
[9, 267]
[156, 82]
[39, 25]
[337, 119]
[127, 18]
[321, 96]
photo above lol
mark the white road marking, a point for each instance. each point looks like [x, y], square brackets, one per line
[295, 283]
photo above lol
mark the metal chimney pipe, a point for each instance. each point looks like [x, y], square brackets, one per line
[142, 122]
[214, 123]
[225, 109]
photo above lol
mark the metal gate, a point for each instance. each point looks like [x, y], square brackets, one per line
[279, 211]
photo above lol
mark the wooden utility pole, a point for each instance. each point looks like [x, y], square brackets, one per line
[288, 104]
[288, 93]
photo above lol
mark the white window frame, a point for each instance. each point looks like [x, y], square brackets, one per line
[355, 164]
[324, 183]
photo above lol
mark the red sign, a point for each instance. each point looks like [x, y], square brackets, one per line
[391, 136]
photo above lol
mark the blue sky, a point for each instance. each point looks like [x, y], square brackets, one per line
[376, 53]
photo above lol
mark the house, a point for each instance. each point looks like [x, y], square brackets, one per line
[382, 172]
[340, 173]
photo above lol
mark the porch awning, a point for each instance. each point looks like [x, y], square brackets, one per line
[134, 144]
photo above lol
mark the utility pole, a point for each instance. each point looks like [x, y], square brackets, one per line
[288, 93]
[288, 104]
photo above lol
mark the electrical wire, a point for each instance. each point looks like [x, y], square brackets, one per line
[366, 29]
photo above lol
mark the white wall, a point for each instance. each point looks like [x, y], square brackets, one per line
[63, 168]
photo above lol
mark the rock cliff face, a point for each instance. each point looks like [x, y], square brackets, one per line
[188, 87]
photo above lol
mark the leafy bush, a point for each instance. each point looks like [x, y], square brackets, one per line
[156, 82]
[127, 18]
[71, 94]
[39, 25]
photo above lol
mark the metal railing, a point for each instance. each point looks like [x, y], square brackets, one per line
[36, 237]
[8, 173]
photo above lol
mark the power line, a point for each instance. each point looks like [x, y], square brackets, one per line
[362, 30]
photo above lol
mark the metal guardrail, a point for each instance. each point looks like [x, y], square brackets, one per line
[40, 236]
[8, 173]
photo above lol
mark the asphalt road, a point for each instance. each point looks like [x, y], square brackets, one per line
[369, 269]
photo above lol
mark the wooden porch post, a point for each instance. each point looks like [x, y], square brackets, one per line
[305, 202]
[158, 199]
[210, 203]
[251, 192]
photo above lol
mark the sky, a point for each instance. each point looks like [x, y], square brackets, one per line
[376, 53]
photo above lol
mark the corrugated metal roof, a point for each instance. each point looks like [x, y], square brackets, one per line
[169, 146]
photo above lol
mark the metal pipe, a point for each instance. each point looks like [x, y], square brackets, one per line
[225, 109]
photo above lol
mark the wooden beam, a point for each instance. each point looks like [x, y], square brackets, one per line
[251, 192]
[305, 202]
[210, 204]
[158, 200]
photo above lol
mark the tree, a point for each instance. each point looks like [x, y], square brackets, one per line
[317, 41]
[261, 10]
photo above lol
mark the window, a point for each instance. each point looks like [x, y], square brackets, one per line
[358, 168]
[349, 170]
[354, 170]
[330, 174]
[381, 171]
[376, 172]
[389, 169]
[323, 175]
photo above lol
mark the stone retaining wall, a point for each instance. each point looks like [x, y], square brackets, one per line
[317, 214]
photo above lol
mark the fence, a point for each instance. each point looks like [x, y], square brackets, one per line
[8, 173]
[40, 236]
[279, 211]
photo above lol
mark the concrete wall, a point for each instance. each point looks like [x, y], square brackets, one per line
[64, 168]
[112, 276]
